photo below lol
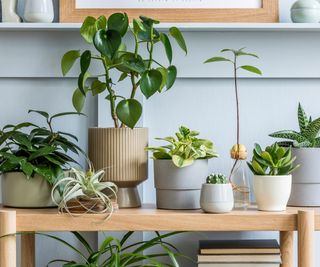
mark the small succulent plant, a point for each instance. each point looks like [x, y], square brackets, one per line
[309, 135]
[217, 178]
[184, 149]
[275, 160]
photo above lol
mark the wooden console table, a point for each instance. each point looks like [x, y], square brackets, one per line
[305, 221]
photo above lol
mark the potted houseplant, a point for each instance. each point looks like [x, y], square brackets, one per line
[272, 179]
[306, 147]
[121, 149]
[85, 192]
[217, 194]
[238, 153]
[180, 169]
[122, 252]
[32, 161]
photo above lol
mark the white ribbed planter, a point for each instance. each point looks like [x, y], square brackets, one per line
[306, 179]
[272, 192]
[179, 188]
[121, 153]
[217, 198]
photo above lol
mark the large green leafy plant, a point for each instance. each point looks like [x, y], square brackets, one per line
[144, 73]
[275, 160]
[122, 253]
[309, 135]
[184, 149]
[32, 149]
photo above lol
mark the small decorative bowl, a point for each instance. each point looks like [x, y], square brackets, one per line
[305, 11]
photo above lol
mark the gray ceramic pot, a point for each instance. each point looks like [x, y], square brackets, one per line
[179, 188]
[20, 192]
[306, 179]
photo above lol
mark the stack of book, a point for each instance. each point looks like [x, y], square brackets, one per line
[239, 253]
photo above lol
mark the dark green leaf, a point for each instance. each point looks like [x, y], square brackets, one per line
[171, 76]
[119, 22]
[42, 113]
[167, 45]
[78, 100]
[42, 152]
[122, 77]
[149, 21]
[129, 112]
[137, 26]
[27, 168]
[107, 42]
[85, 61]
[82, 82]
[302, 118]
[150, 82]
[130, 62]
[68, 61]
[177, 35]
[62, 114]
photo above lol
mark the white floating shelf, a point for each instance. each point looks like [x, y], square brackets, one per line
[188, 27]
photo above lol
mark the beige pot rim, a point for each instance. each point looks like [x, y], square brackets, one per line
[118, 129]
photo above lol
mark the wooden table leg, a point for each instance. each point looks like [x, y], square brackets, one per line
[28, 250]
[287, 249]
[8, 254]
[306, 238]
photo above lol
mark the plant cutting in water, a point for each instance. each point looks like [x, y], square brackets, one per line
[309, 135]
[217, 179]
[85, 192]
[146, 73]
[184, 149]
[238, 151]
[40, 150]
[275, 160]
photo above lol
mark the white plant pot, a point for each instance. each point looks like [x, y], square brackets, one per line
[38, 11]
[217, 198]
[272, 192]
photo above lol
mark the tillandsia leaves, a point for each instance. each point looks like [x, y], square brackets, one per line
[122, 252]
[274, 160]
[217, 178]
[32, 149]
[145, 72]
[184, 148]
[80, 187]
[309, 135]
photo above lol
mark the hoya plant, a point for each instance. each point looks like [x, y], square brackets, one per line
[274, 160]
[31, 149]
[217, 178]
[138, 65]
[184, 148]
[309, 135]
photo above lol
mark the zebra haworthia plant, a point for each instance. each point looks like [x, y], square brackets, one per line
[308, 135]
[274, 160]
[144, 72]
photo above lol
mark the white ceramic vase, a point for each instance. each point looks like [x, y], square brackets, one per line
[272, 192]
[9, 11]
[38, 11]
[217, 198]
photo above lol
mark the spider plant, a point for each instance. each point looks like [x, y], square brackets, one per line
[85, 192]
[114, 252]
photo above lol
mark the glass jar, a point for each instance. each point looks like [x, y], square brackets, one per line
[240, 184]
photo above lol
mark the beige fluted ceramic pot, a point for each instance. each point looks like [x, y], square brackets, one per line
[121, 152]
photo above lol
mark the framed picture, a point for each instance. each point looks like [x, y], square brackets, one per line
[174, 10]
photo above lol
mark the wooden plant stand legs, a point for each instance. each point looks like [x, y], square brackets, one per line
[286, 246]
[8, 243]
[28, 250]
[306, 228]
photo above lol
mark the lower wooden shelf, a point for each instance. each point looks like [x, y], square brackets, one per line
[148, 218]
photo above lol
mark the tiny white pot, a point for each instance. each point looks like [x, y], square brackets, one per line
[38, 11]
[272, 192]
[216, 198]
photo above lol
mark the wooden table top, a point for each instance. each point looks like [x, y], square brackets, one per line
[148, 218]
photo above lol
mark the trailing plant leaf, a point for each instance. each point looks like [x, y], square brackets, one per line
[275, 160]
[68, 61]
[177, 35]
[119, 22]
[129, 112]
[308, 135]
[184, 149]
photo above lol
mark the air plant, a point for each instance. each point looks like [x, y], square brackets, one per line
[85, 192]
